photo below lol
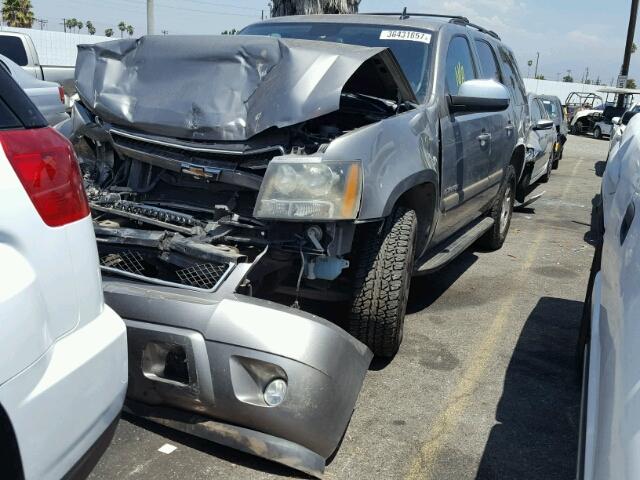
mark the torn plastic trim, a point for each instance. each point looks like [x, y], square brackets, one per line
[239, 438]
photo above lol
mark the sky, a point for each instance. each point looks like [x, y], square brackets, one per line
[571, 35]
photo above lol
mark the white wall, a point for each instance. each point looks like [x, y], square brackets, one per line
[57, 48]
[559, 89]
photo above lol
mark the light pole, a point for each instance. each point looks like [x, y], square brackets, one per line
[150, 20]
[535, 75]
[529, 63]
[624, 71]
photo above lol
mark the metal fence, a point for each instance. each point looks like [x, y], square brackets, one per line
[57, 48]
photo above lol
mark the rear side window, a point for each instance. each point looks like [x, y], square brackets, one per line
[13, 48]
[512, 76]
[16, 109]
[488, 61]
[536, 112]
[460, 66]
[551, 107]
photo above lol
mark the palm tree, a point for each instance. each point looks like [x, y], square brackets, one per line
[72, 23]
[130, 30]
[108, 32]
[90, 28]
[79, 25]
[122, 27]
[18, 13]
[280, 8]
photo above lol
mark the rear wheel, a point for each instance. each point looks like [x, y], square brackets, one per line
[577, 128]
[501, 213]
[597, 133]
[383, 260]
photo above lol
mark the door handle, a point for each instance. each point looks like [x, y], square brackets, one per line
[483, 138]
[509, 128]
[627, 220]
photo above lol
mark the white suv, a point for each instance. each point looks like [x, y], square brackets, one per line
[63, 352]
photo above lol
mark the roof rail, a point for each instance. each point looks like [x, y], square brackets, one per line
[404, 15]
[456, 19]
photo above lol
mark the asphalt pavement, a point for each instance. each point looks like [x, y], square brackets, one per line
[484, 385]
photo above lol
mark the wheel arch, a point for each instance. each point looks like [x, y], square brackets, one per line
[9, 452]
[418, 192]
[517, 160]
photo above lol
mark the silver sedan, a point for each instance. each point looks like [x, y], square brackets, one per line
[47, 96]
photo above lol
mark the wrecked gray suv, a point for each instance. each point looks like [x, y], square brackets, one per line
[311, 165]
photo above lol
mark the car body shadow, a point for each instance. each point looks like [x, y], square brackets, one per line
[536, 434]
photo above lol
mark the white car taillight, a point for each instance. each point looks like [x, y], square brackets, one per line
[46, 166]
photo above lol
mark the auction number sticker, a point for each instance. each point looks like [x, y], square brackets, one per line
[407, 35]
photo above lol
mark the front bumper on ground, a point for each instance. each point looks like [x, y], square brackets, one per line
[199, 362]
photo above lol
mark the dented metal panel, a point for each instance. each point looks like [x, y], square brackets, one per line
[220, 88]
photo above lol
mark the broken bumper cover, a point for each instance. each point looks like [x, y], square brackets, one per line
[229, 347]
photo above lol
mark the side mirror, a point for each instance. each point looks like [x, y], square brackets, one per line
[616, 120]
[476, 96]
[626, 118]
[543, 125]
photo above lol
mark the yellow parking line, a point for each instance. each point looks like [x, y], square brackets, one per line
[423, 465]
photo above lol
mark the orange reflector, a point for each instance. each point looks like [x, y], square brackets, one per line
[351, 191]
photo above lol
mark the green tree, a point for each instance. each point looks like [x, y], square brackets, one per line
[122, 27]
[631, 83]
[80, 25]
[233, 31]
[108, 32]
[18, 13]
[567, 78]
[540, 77]
[280, 8]
[90, 28]
[72, 23]
[130, 30]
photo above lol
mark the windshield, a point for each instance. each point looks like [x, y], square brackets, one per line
[410, 46]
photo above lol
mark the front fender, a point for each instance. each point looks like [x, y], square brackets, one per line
[397, 154]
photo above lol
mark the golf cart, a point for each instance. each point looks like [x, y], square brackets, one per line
[604, 125]
[581, 101]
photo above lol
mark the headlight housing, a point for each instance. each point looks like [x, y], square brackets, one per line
[307, 188]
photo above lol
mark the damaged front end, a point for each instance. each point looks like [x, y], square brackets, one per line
[218, 224]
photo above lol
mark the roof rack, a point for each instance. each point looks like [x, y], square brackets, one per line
[456, 19]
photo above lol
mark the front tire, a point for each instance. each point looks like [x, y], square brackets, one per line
[501, 213]
[597, 133]
[547, 175]
[384, 260]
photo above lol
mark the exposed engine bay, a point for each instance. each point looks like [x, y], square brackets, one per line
[173, 186]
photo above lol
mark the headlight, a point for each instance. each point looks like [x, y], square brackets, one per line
[310, 189]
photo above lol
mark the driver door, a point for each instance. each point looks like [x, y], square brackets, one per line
[467, 141]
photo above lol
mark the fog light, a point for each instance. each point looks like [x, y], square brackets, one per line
[275, 392]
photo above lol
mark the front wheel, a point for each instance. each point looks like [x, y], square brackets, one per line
[597, 133]
[501, 213]
[547, 174]
[383, 260]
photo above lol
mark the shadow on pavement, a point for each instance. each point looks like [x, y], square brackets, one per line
[426, 289]
[224, 453]
[536, 434]
[600, 167]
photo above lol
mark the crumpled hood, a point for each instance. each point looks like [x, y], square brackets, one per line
[219, 88]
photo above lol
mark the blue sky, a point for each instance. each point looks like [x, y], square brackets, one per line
[569, 34]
